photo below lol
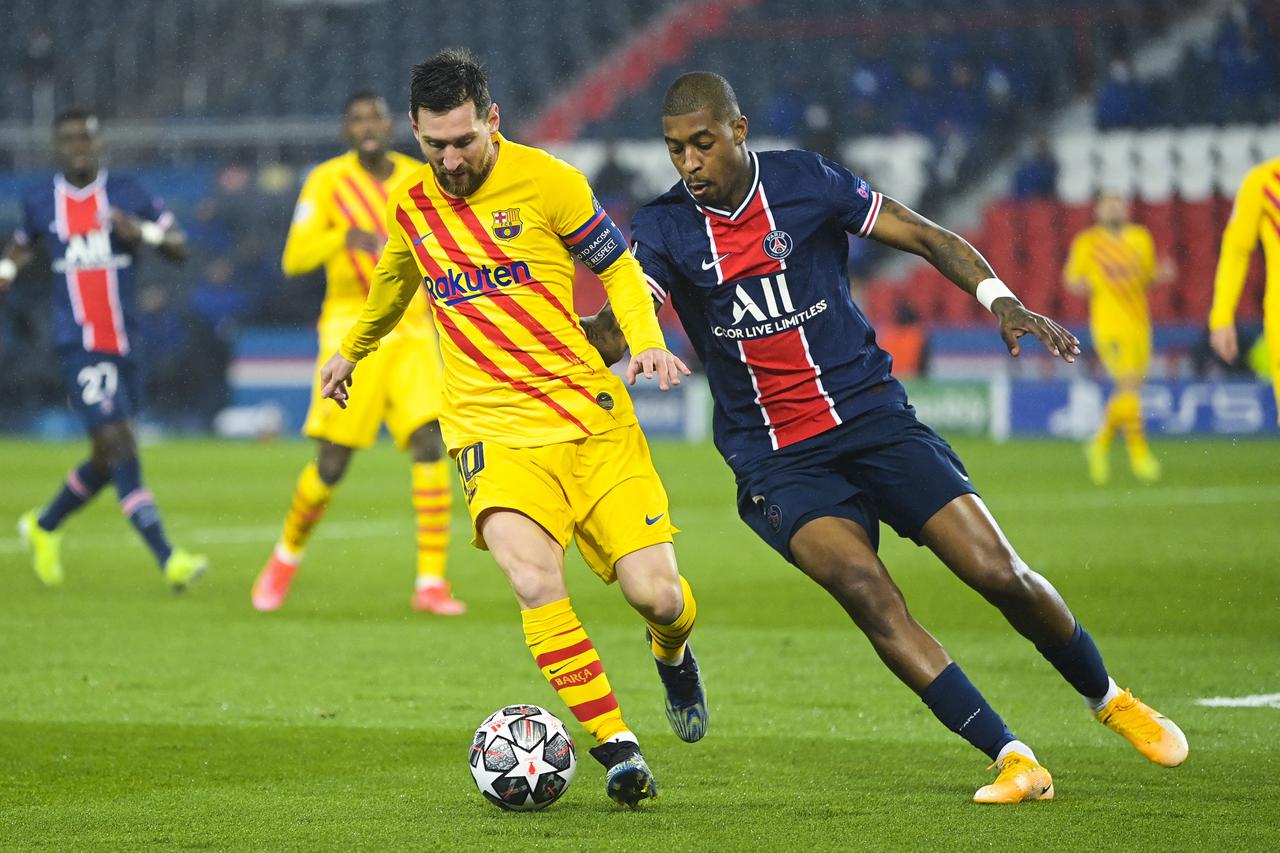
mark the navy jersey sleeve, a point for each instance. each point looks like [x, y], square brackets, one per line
[145, 205]
[29, 231]
[854, 204]
[650, 250]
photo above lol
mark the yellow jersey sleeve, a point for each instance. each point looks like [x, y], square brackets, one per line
[1077, 267]
[1238, 241]
[592, 237]
[1146, 246]
[314, 236]
[394, 283]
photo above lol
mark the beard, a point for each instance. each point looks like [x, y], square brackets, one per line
[465, 181]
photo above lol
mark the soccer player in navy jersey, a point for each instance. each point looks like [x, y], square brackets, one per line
[93, 224]
[751, 247]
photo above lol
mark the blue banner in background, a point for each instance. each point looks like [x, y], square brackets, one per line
[1170, 407]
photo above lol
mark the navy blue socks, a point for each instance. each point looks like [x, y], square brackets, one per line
[82, 483]
[960, 707]
[1080, 663]
[139, 507]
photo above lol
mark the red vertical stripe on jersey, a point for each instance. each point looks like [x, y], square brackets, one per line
[788, 387]
[367, 205]
[489, 367]
[94, 292]
[789, 393]
[495, 253]
[97, 308]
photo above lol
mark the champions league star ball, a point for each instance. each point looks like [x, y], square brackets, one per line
[522, 758]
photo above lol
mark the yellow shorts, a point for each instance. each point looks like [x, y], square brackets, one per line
[1124, 355]
[399, 384]
[602, 491]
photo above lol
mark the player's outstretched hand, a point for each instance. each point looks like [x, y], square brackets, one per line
[1017, 320]
[1225, 343]
[660, 362]
[335, 379]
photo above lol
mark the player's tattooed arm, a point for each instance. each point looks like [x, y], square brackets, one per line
[604, 333]
[902, 228]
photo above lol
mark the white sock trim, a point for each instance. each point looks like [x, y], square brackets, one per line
[1113, 690]
[623, 737]
[284, 555]
[425, 581]
[1018, 747]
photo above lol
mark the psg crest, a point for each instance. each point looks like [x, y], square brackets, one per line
[506, 223]
[777, 244]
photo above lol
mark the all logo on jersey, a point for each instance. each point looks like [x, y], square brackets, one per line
[777, 244]
[506, 223]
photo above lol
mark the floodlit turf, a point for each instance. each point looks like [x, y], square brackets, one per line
[131, 719]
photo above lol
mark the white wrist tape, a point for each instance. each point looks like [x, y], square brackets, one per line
[991, 289]
[8, 269]
[152, 234]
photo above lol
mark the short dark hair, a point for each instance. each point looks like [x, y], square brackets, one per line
[448, 80]
[698, 90]
[76, 114]
[359, 96]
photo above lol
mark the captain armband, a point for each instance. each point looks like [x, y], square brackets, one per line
[597, 243]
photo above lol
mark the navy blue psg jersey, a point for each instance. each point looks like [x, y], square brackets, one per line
[93, 299]
[763, 293]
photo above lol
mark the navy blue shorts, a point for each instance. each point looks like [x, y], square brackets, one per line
[100, 388]
[883, 465]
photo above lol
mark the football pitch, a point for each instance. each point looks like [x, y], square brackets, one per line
[133, 719]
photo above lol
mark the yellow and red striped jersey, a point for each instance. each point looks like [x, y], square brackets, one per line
[498, 266]
[339, 195]
[1118, 268]
[1256, 215]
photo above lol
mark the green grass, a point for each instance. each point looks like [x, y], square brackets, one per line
[131, 719]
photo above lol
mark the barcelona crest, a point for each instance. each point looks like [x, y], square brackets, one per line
[506, 223]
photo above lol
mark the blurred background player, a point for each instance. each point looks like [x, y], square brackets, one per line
[339, 223]
[93, 224]
[1256, 215]
[1113, 262]
[545, 437]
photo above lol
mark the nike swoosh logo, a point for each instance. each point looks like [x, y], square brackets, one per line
[714, 261]
[557, 669]
[655, 519]
[418, 242]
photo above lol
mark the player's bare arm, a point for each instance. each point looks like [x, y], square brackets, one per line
[604, 333]
[950, 254]
[16, 256]
[170, 241]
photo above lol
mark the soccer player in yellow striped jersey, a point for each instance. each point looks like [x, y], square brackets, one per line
[544, 435]
[1256, 216]
[1113, 263]
[339, 225]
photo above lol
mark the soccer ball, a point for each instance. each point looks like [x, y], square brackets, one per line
[522, 758]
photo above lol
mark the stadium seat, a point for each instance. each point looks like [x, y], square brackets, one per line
[1193, 167]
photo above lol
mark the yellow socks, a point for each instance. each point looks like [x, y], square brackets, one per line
[432, 508]
[310, 499]
[667, 641]
[570, 663]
